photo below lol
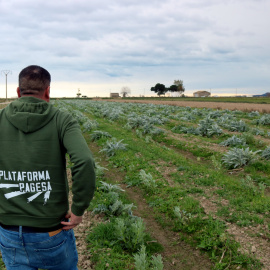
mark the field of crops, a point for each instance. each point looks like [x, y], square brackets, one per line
[177, 187]
[202, 174]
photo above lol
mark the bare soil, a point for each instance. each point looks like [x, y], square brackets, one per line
[265, 108]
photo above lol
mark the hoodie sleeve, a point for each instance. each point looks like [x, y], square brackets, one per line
[83, 172]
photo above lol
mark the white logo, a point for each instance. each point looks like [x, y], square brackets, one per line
[37, 182]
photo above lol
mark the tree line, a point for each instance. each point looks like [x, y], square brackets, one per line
[161, 89]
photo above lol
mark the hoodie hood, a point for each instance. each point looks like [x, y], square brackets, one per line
[29, 114]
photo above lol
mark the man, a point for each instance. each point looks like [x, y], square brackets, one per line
[34, 140]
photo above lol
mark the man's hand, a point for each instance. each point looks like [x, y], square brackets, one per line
[73, 221]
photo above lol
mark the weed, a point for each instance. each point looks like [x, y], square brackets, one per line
[249, 185]
[249, 138]
[216, 163]
[182, 215]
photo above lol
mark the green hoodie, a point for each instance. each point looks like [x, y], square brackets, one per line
[34, 140]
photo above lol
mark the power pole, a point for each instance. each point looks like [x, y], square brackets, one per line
[6, 72]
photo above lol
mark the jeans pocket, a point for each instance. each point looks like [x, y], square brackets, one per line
[54, 255]
[8, 255]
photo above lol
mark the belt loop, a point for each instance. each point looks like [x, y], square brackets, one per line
[20, 231]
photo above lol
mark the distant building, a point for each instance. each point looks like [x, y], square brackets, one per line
[202, 94]
[176, 94]
[114, 95]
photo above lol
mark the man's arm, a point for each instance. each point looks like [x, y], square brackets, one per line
[83, 171]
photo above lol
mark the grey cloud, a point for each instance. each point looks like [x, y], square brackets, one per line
[125, 37]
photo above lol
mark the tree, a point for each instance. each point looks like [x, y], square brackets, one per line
[180, 86]
[125, 91]
[173, 88]
[160, 89]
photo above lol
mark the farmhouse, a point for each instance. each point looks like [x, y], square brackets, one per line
[202, 94]
[114, 95]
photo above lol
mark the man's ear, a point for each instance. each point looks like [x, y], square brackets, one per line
[46, 94]
[18, 92]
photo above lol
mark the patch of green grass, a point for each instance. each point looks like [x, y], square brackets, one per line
[110, 258]
[258, 166]
[241, 219]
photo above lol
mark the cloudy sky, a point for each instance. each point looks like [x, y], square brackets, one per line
[99, 46]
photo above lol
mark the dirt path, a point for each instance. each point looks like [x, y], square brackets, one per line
[176, 254]
[265, 108]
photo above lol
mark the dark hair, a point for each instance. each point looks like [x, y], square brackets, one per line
[33, 80]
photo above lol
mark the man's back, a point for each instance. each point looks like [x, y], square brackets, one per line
[34, 140]
[32, 163]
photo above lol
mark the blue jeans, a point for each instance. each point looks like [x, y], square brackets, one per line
[30, 251]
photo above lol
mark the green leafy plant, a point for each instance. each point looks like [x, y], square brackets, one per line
[147, 179]
[182, 215]
[99, 170]
[253, 114]
[89, 125]
[130, 233]
[79, 116]
[234, 141]
[106, 187]
[143, 262]
[186, 130]
[208, 127]
[249, 186]
[256, 131]
[98, 134]
[239, 126]
[264, 120]
[113, 146]
[216, 163]
[237, 157]
[266, 153]
[111, 205]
